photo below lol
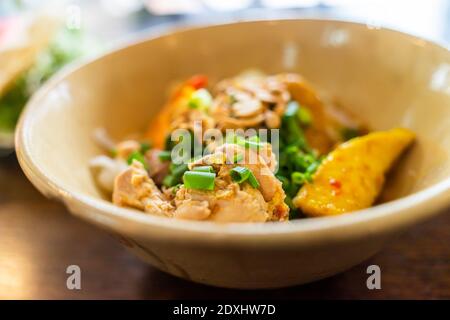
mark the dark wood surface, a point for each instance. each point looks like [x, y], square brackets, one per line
[39, 239]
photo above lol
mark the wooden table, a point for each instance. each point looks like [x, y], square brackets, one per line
[39, 239]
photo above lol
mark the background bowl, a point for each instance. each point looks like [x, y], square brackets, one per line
[388, 78]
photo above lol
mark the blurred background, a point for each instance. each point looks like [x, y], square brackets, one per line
[112, 20]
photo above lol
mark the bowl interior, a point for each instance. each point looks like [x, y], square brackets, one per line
[387, 78]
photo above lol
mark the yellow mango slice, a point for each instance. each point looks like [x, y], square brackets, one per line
[352, 176]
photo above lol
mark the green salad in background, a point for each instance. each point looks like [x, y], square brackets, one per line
[66, 46]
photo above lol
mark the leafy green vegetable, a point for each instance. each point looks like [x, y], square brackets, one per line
[297, 162]
[11, 104]
[65, 47]
[291, 131]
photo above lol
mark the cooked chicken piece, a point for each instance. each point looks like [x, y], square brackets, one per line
[351, 177]
[134, 188]
[262, 162]
[245, 205]
[104, 170]
[230, 201]
[271, 119]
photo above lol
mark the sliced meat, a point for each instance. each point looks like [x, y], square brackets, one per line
[233, 202]
[134, 188]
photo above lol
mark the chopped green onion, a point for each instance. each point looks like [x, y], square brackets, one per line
[170, 181]
[136, 155]
[145, 146]
[304, 116]
[294, 213]
[253, 142]
[240, 174]
[313, 167]
[179, 170]
[199, 180]
[165, 155]
[204, 169]
[252, 180]
[200, 99]
[113, 152]
[168, 143]
[175, 175]
[238, 158]
[284, 181]
[349, 133]
[176, 188]
[292, 131]
[288, 201]
[300, 178]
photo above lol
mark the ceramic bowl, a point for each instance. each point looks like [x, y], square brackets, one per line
[387, 78]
